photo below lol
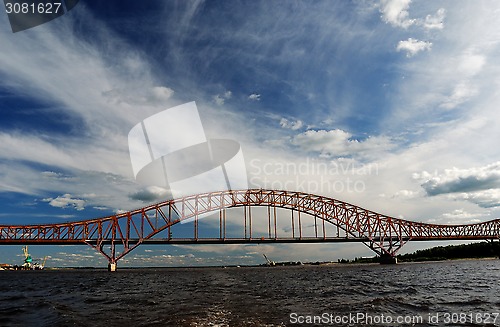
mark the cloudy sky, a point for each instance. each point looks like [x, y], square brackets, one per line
[390, 105]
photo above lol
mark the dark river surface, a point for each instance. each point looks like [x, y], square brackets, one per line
[453, 293]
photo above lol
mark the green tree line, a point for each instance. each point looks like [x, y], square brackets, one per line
[449, 252]
[462, 251]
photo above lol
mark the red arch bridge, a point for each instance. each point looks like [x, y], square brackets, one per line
[264, 216]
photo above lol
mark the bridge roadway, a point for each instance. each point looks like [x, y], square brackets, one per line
[157, 241]
[124, 232]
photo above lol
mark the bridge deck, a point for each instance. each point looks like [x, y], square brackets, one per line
[228, 240]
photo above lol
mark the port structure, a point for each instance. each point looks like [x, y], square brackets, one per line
[283, 217]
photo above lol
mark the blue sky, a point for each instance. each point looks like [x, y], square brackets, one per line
[397, 98]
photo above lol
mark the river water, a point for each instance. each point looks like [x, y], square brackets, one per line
[453, 293]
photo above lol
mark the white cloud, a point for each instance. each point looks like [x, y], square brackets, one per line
[435, 21]
[471, 63]
[220, 99]
[33, 148]
[99, 155]
[51, 174]
[65, 201]
[412, 46]
[406, 194]
[333, 142]
[478, 185]
[468, 65]
[293, 125]
[162, 93]
[254, 97]
[461, 180]
[154, 96]
[395, 12]
[484, 199]
[461, 216]
[338, 143]
[460, 94]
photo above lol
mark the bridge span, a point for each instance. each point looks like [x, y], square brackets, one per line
[308, 218]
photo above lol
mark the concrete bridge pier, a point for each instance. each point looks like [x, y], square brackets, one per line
[112, 266]
[387, 259]
[495, 247]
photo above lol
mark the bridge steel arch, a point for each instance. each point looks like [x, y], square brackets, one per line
[124, 232]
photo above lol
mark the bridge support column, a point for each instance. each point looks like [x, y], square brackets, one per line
[387, 259]
[112, 266]
[496, 247]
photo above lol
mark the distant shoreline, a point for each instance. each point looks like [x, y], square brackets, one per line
[472, 251]
[325, 264]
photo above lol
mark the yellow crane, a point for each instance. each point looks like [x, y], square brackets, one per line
[269, 262]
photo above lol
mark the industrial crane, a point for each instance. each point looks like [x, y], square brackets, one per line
[28, 261]
[269, 262]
